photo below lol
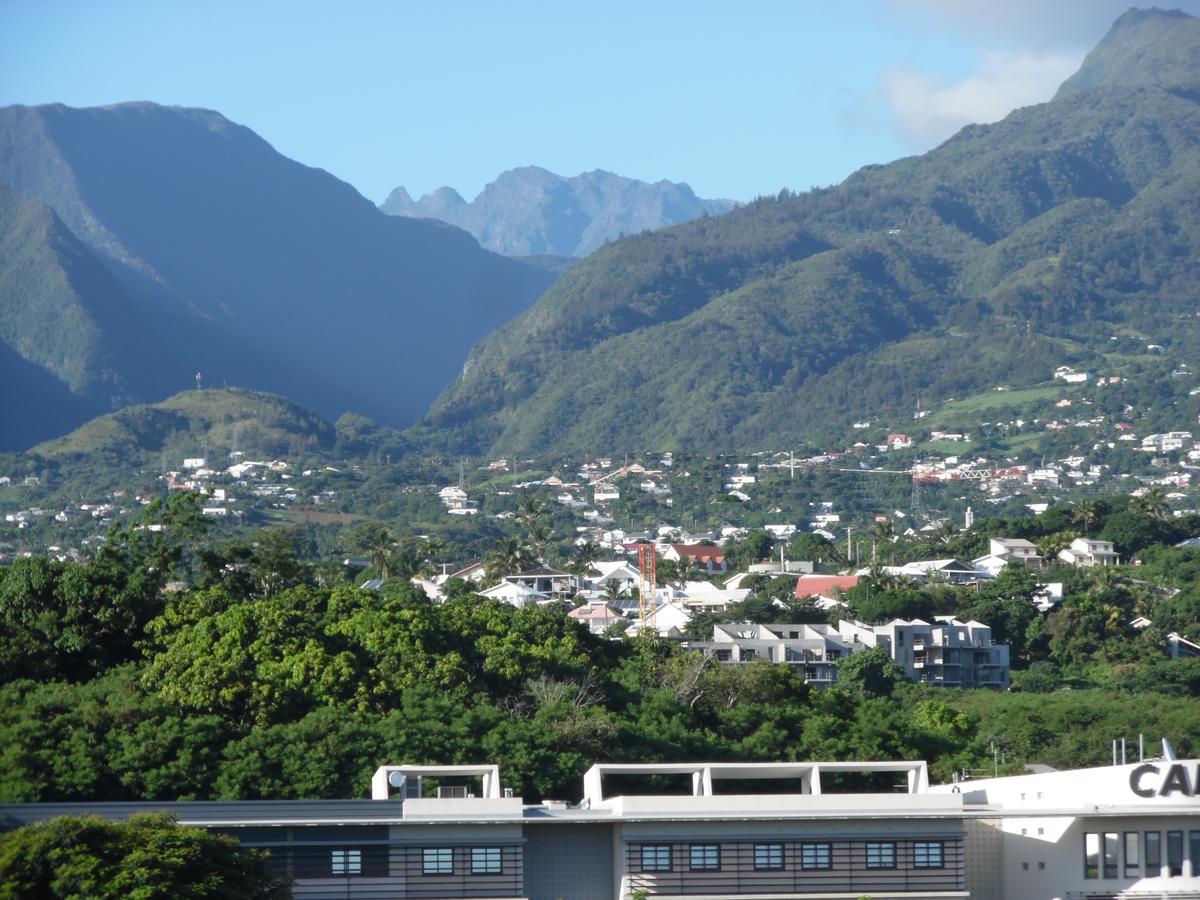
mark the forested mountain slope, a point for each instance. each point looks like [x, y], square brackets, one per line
[529, 211]
[1005, 251]
[242, 264]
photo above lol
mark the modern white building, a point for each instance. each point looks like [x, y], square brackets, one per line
[761, 831]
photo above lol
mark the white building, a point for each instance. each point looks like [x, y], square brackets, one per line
[448, 832]
[1084, 552]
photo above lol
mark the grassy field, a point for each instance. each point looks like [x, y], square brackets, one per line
[970, 408]
[950, 448]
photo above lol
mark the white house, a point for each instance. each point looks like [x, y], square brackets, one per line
[1085, 552]
[515, 594]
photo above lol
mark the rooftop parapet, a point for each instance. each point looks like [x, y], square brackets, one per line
[704, 774]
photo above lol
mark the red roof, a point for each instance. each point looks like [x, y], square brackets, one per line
[702, 552]
[823, 585]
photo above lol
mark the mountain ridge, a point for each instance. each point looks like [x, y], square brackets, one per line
[240, 260]
[1041, 234]
[530, 211]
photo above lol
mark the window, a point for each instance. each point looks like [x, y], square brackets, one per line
[816, 856]
[1041, 867]
[1110, 855]
[1091, 855]
[437, 861]
[704, 857]
[345, 862]
[486, 861]
[927, 855]
[1133, 865]
[1175, 853]
[1194, 851]
[768, 857]
[881, 855]
[1153, 853]
[1024, 867]
[656, 857]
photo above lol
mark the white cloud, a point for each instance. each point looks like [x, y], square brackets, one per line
[926, 109]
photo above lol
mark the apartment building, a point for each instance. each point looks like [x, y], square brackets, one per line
[945, 652]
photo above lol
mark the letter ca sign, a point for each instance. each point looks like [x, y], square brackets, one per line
[1176, 781]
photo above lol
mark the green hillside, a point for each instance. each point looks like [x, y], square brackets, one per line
[1008, 250]
[242, 264]
[221, 418]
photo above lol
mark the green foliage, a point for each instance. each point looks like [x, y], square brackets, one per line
[1008, 249]
[870, 673]
[147, 857]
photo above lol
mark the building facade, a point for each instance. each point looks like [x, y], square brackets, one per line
[944, 652]
[760, 831]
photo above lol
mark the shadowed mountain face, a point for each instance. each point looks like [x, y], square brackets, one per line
[245, 265]
[530, 211]
[1007, 250]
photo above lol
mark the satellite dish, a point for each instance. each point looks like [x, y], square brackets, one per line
[397, 779]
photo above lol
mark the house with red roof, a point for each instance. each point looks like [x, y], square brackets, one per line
[712, 558]
[824, 585]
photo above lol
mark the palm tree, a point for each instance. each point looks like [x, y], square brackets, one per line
[510, 556]
[1153, 503]
[530, 511]
[380, 548]
[540, 537]
[1085, 514]
[613, 590]
[585, 554]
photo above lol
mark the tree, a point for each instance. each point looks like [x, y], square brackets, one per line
[149, 856]
[1153, 503]
[375, 540]
[509, 556]
[614, 589]
[870, 673]
[585, 555]
[1085, 514]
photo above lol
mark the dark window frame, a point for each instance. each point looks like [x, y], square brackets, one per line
[656, 860]
[1110, 854]
[439, 856]
[348, 864]
[930, 850]
[768, 857]
[881, 850]
[491, 856]
[1153, 853]
[1174, 840]
[816, 856]
[1091, 857]
[710, 857]
[1131, 840]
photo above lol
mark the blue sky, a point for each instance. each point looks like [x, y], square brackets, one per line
[735, 98]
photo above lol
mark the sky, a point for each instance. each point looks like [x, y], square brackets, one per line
[737, 99]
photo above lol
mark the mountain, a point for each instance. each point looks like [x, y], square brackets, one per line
[530, 211]
[231, 260]
[1009, 249]
[221, 418]
[64, 321]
